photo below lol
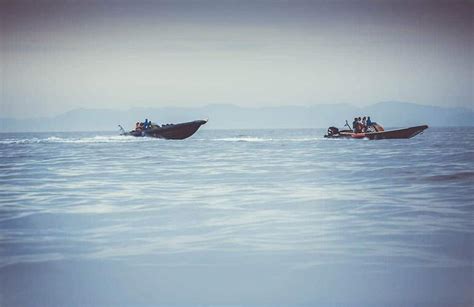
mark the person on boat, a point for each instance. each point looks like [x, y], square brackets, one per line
[364, 124]
[359, 125]
[137, 126]
[145, 124]
[369, 122]
[354, 124]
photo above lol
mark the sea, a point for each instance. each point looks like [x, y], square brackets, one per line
[236, 218]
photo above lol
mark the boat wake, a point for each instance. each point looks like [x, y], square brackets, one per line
[92, 139]
[252, 139]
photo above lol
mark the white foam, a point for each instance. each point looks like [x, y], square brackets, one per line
[93, 139]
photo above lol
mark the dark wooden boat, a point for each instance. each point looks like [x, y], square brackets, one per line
[405, 133]
[169, 131]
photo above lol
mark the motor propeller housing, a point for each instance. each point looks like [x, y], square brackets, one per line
[332, 131]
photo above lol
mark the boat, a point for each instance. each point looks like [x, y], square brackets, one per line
[168, 131]
[376, 132]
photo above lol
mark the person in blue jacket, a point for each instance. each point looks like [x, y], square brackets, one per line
[369, 122]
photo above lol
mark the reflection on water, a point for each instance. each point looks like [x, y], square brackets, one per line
[236, 217]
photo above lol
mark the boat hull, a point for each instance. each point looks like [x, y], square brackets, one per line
[406, 133]
[170, 132]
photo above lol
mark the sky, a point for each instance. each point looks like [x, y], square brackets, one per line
[60, 55]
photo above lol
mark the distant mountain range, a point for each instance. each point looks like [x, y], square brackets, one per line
[222, 116]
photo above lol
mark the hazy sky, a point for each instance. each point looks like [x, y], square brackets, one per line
[60, 55]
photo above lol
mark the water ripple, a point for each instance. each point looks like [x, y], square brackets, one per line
[403, 202]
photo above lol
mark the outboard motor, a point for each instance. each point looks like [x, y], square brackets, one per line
[332, 131]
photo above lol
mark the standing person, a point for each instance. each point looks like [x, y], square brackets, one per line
[354, 124]
[369, 122]
[364, 124]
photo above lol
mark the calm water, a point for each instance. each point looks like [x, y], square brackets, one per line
[246, 218]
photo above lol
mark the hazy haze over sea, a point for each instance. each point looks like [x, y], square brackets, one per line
[250, 217]
[60, 55]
